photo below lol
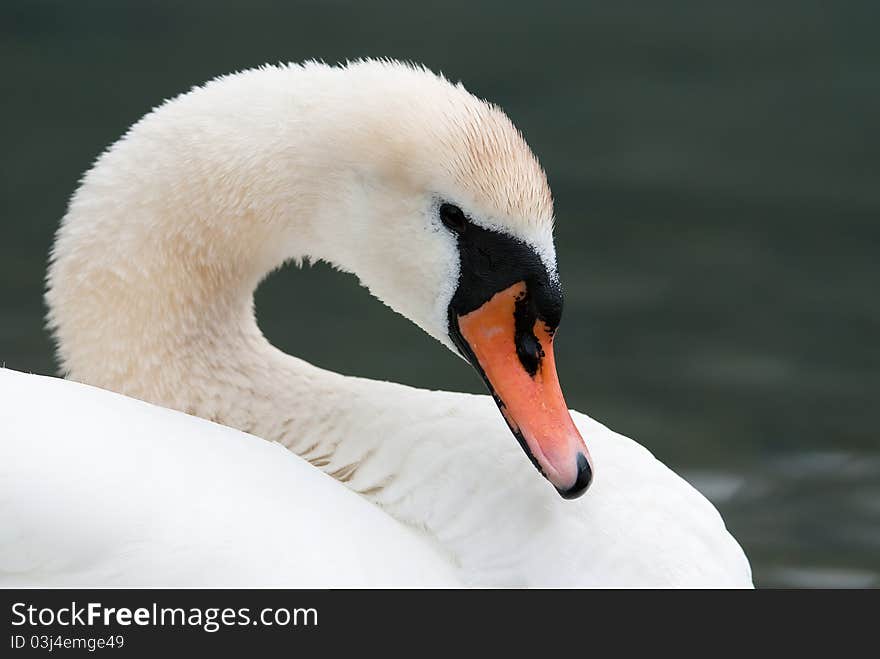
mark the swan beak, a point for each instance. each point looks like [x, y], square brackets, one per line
[514, 353]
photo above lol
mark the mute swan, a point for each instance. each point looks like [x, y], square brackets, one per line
[433, 199]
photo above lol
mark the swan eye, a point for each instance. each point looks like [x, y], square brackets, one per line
[453, 217]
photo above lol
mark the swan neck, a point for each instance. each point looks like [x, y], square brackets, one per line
[151, 294]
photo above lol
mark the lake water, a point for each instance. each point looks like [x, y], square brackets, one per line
[716, 174]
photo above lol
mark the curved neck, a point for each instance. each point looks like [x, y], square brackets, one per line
[151, 294]
[154, 267]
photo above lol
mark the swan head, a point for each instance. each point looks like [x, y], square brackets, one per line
[453, 228]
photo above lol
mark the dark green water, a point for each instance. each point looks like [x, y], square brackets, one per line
[716, 171]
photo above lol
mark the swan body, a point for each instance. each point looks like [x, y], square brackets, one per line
[151, 295]
[108, 490]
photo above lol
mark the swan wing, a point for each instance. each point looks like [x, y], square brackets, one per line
[649, 526]
[98, 489]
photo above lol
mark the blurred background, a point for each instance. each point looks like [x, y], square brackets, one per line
[716, 168]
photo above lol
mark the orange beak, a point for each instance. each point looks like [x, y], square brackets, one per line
[518, 365]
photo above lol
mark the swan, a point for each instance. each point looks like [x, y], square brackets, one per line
[163, 458]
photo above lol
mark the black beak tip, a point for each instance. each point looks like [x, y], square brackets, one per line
[584, 478]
